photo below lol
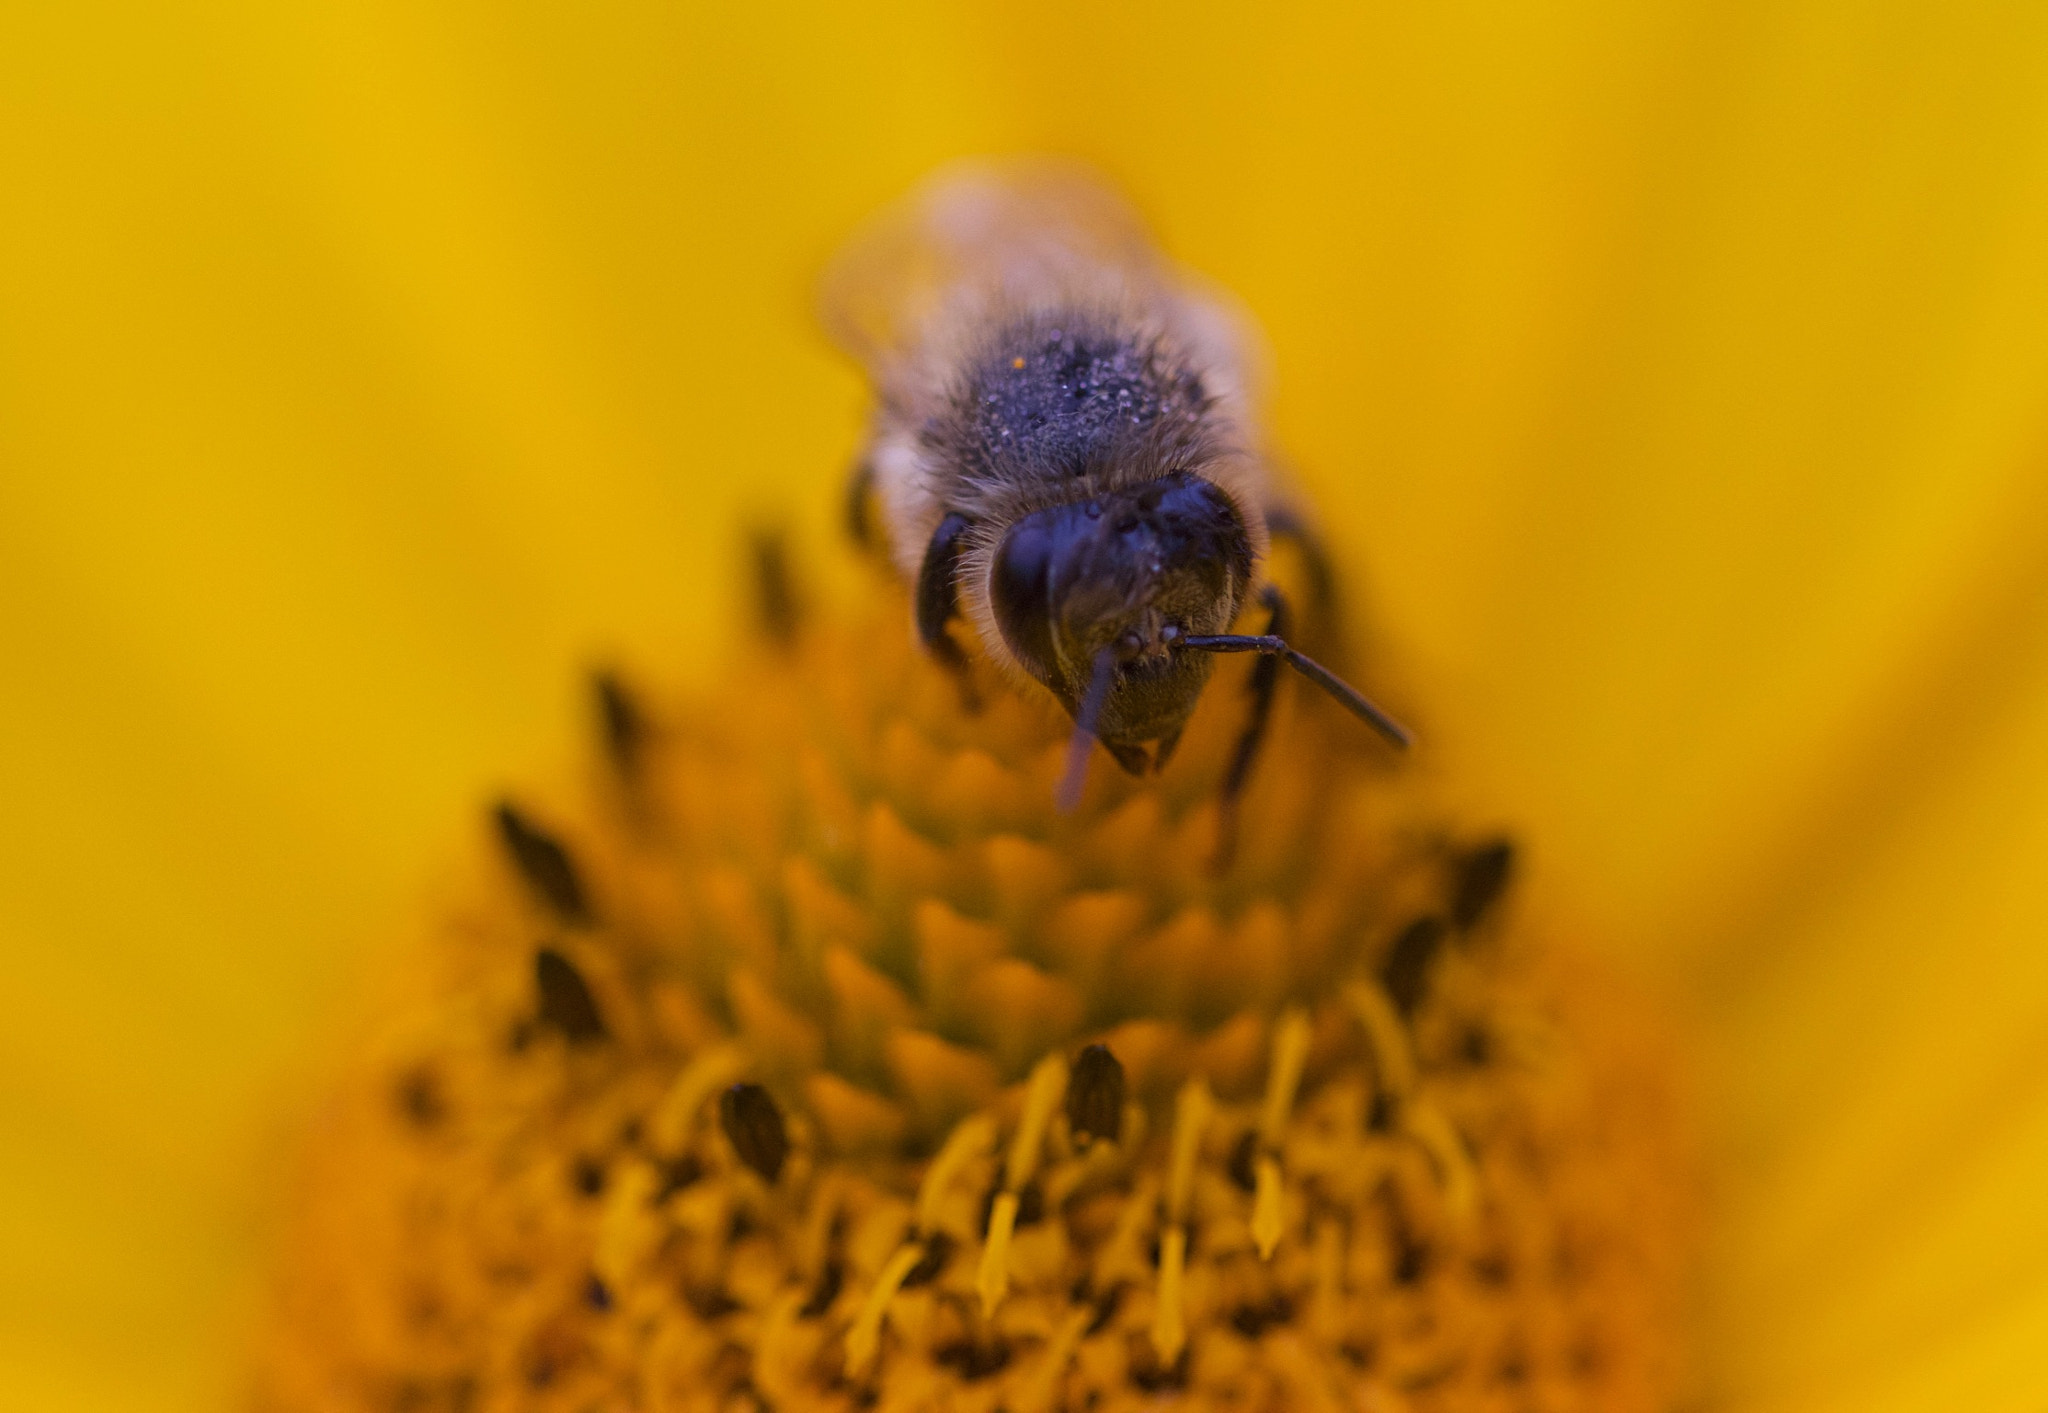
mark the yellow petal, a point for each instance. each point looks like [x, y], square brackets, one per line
[1669, 374]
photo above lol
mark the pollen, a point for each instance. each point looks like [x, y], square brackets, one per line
[802, 1055]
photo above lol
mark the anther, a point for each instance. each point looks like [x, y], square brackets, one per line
[669, 1130]
[565, 999]
[624, 1231]
[621, 723]
[1042, 1389]
[1393, 1059]
[775, 589]
[1283, 1074]
[1041, 1096]
[1479, 880]
[992, 1279]
[1429, 1126]
[1190, 1116]
[970, 1138]
[753, 1125]
[543, 863]
[1405, 973]
[1095, 1095]
[1169, 1321]
[1269, 1218]
[864, 1336]
[1283, 1077]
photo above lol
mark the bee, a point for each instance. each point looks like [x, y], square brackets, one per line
[1065, 453]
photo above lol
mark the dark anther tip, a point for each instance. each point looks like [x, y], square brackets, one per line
[543, 863]
[753, 1125]
[938, 1249]
[1242, 1166]
[621, 722]
[420, 1098]
[1478, 880]
[860, 520]
[1095, 1094]
[1405, 973]
[565, 999]
[775, 592]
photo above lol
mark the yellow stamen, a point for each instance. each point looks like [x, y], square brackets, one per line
[1429, 1126]
[969, 1139]
[1169, 1320]
[1048, 1083]
[1190, 1116]
[626, 1229]
[1043, 1388]
[992, 1281]
[1283, 1074]
[1123, 1255]
[816, 1240]
[1268, 1220]
[669, 1130]
[1326, 1305]
[1393, 1058]
[864, 1336]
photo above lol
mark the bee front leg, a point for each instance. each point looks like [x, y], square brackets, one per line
[1283, 523]
[938, 600]
[1264, 679]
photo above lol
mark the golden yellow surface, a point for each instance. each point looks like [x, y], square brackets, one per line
[1672, 380]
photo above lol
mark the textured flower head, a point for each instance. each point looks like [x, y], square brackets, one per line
[811, 1059]
[1669, 378]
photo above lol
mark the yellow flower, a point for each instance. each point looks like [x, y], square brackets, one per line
[813, 1060]
[1670, 378]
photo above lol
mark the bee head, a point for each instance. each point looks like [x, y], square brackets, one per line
[1129, 573]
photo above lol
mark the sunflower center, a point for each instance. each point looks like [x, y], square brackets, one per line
[810, 1058]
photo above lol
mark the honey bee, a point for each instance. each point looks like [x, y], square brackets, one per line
[1064, 451]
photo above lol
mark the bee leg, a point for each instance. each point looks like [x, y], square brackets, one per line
[938, 600]
[1264, 679]
[860, 515]
[1286, 524]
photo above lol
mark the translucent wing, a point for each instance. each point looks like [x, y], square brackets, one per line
[1017, 231]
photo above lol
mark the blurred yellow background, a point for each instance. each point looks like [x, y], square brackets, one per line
[1673, 379]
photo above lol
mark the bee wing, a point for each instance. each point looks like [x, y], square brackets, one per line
[1015, 230]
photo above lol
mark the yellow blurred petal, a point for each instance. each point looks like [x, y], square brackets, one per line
[1670, 374]
[1884, 1046]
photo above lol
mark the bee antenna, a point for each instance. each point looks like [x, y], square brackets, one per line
[1100, 678]
[1273, 645]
